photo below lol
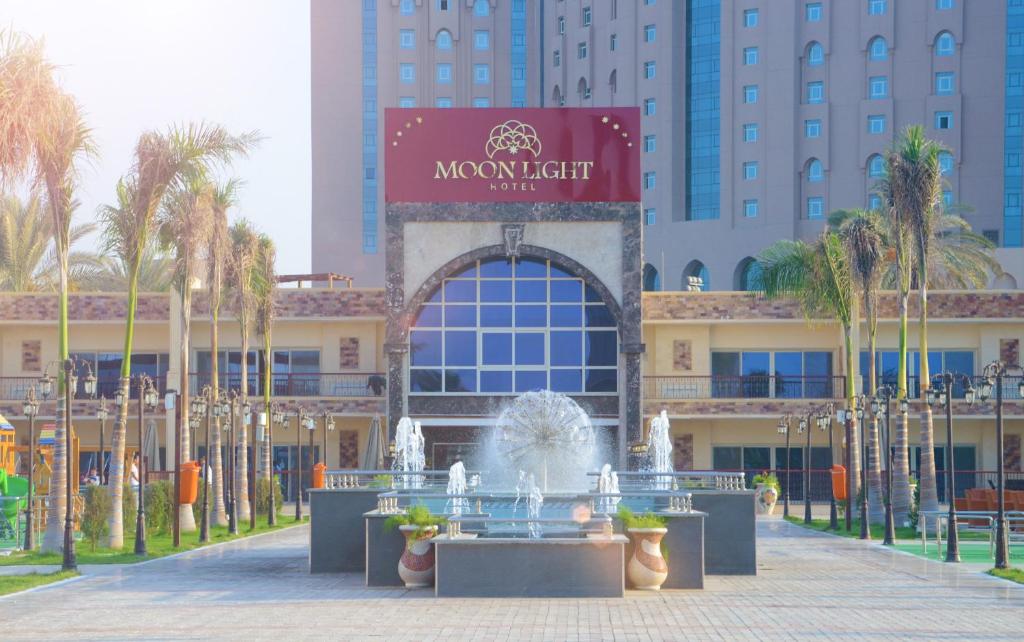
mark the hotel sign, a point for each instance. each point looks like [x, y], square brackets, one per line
[485, 155]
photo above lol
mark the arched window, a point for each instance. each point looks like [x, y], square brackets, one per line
[556, 97]
[444, 39]
[876, 166]
[748, 275]
[944, 44]
[652, 280]
[945, 163]
[481, 8]
[815, 171]
[877, 49]
[613, 81]
[504, 326]
[583, 89]
[696, 277]
[815, 54]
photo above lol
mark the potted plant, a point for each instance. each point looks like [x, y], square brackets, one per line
[418, 526]
[647, 569]
[766, 492]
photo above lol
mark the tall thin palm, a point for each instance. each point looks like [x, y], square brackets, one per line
[26, 86]
[864, 236]
[28, 257]
[184, 226]
[104, 273]
[265, 289]
[225, 197]
[818, 276]
[161, 160]
[245, 246]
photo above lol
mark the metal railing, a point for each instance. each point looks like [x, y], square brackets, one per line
[301, 384]
[689, 479]
[12, 388]
[744, 387]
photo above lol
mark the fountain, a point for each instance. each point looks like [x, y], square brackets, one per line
[547, 435]
[659, 451]
[409, 456]
[457, 486]
[608, 484]
[534, 503]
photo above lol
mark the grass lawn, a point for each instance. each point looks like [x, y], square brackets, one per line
[157, 545]
[877, 530]
[14, 583]
[1012, 574]
[971, 552]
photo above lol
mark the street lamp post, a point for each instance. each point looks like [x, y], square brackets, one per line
[328, 426]
[826, 424]
[784, 423]
[300, 421]
[881, 405]
[102, 415]
[31, 409]
[310, 426]
[250, 471]
[276, 418]
[865, 530]
[147, 399]
[943, 395]
[229, 410]
[208, 408]
[805, 427]
[994, 373]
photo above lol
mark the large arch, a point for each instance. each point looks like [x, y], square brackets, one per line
[696, 269]
[747, 276]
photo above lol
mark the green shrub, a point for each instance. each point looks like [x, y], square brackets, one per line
[646, 520]
[94, 517]
[915, 503]
[381, 481]
[418, 515]
[263, 495]
[768, 479]
[159, 506]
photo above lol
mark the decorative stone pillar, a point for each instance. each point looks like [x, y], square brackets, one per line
[396, 384]
[632, 415]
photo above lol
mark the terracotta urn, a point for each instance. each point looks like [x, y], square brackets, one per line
[416, 566]
[767, 496]
[647, 569]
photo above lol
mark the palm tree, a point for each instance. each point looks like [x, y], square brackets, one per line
[26, 87]
[224, 197]
[864, 235]
[111, 273]
[818, 276]
[28, 258]
[161, 160]
[245, 247]
[184, 226]
[266, 286]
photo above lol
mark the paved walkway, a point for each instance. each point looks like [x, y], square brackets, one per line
[808, 585]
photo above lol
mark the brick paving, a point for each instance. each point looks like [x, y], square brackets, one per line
[808, 585]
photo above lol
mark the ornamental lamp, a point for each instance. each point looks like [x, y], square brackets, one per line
[841, 416]
[46, 385]
[904, 405]
[986, 389]
[803, 426]
[330, 423]
[90, 384]
[72, 385]
[969, 394]
[783, 427]
[246, 409]
[876, 407]
[119, 397]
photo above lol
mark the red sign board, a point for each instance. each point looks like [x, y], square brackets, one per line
[489, 155]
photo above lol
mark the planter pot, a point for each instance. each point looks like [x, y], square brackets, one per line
[416, 566]
[766, 497]
[647, 569]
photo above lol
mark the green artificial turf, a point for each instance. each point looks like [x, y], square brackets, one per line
[14, 583]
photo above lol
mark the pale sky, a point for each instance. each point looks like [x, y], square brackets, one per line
[144, 64]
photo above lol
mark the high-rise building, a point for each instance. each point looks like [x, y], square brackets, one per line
[759, 118]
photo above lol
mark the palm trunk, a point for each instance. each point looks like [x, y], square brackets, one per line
[242, 469]
[53, 539]
[926, 471]
[115, 525]
[218, 514]
[268, 361]
[901, 495]
[186, 518]
[876, 509]
[853, 443]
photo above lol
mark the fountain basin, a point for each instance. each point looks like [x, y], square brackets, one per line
[337, 537]
[730, 531]
[541, 567]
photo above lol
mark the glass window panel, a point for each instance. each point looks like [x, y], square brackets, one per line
[755, 363]
[425, 380]
[435, 297]
[425, 347]
[599, 316]
[530, 349]
[495, 381]
[566, 291]
[557, 272]
[305, 360]
[468, 273]
[460, 348]
[460, 316]
[460, 380]
[531, 291]
[591, 295]
[601, 380]
[726, 457]
[496, 291]
[531, 268]
[497, 348]
[567, 380]
[566, 316]
[496, 316]
[725, 364]
[531, 380]
[461, 291]
[961, 362]
[430, 316]
[788, 368]
[819, 364]
[601, 348]
[531, 316]
[496, 268]
[566, 348]
[757, 458]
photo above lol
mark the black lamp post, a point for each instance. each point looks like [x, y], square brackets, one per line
[865, 530]
[942, 395]
[805, 427]
[250, 461]
[31, 409]
[825, 423]
[994, 373]
[310, 425]
[229, 410]
[300, 420]
[206, 407]
[148, 399]
[70, 563]
[881, 406]
[783, 429]
[102, 415]
[276, 418]
[328, 420]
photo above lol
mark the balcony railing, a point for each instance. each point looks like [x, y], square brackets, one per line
[13, 388]
[748, 387]
[1011, 391]
[301, 384]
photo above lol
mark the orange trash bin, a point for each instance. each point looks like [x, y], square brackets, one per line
[839, 482]
[318, 475]
[189, 471]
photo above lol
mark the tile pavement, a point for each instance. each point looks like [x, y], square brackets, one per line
[808, 585]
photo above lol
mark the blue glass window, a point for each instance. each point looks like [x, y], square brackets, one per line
[878, 50]
[444, 40]
[369, 123]
[812, 12]
[815, 54]
[876, 124]
[944, 44]
[482, 39]
[812, 128]
[703, 113]
[750, 94]
[1013, 142]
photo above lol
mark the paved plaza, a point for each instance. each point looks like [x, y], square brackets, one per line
[808, 584]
